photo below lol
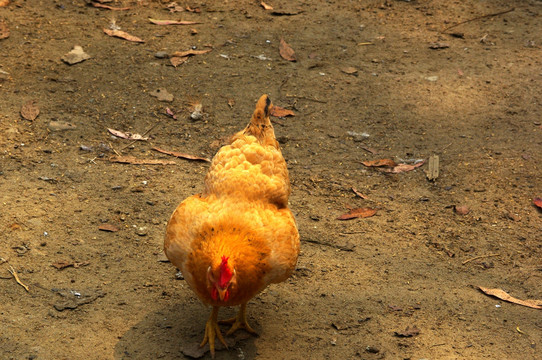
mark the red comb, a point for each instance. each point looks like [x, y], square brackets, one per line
[225, 273]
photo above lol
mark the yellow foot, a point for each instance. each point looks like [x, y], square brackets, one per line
[212, 331]
[238, 322]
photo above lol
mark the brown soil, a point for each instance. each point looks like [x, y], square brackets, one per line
[476, 104]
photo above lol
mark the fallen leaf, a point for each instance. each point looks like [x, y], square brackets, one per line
[408, 332]
[231, 103]
[135, 161]
[461, 209]
[285, 12]
[181, 155]
[190, 53]
[176, 60]
[127, 135]
[404, 167]
[357, 213]
[265, 6]
[64, 264]
[4, 30]
[108, 227]
[30, 110]
[349, 70]
[498, 293]
[286, 51]
[170, 113]
[174, 7]
[57, 125]
[172, 22]
[76, 55]
[538, 202]
[439, 45]
[98, 5]
[359, 194]
[4, 3]
[162, 95]
[194, 10]
[379, 163]
[123, 35]
[277, 111]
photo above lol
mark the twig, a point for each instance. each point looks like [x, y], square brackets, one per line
[478, 18]
[14, 273]
[336, 246]
[306, 98]
[479, 257]
[145, 133]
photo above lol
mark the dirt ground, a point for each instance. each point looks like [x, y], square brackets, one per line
[372, 80]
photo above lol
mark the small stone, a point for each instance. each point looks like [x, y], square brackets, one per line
[461, 209]
[141, 230]
[161, 55]
[431, 78]
[372, 349]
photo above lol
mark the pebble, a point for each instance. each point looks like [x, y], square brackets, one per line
[161, 55]
[141, 230]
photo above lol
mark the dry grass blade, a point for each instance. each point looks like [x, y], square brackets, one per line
[14, 273]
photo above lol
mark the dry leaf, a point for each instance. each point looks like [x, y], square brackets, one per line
[231, 103]
[190, 53]
[265, 6]
[538, 202]
[286, 51]
[194, 10]
[174, 7]
[181, 155]
[30, 111]
[136, 161]
[108, 227]
[498, 293]
[76, 55]
[349, 70]
[172, 22]
[379, 162]
[408, 332]
[439, 45]
[123, 35]
[127, 135]
[277, 111]
[162, 95]
[404, 167]
[4, 3]
[4, 30]
[359, 194]
[357, 213]
[176, 61]
[98, 5]
[64, 264]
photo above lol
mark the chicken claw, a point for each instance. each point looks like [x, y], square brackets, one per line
[211, 331]
[239, 321]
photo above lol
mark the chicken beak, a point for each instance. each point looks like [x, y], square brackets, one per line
[222, 293]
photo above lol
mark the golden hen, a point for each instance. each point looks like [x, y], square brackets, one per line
[239, 235]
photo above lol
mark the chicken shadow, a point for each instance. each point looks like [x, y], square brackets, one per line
[176, 332]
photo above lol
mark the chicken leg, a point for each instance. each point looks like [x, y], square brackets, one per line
[211, 331]
[239, 321]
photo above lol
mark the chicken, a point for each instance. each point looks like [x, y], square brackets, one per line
[238, 236]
